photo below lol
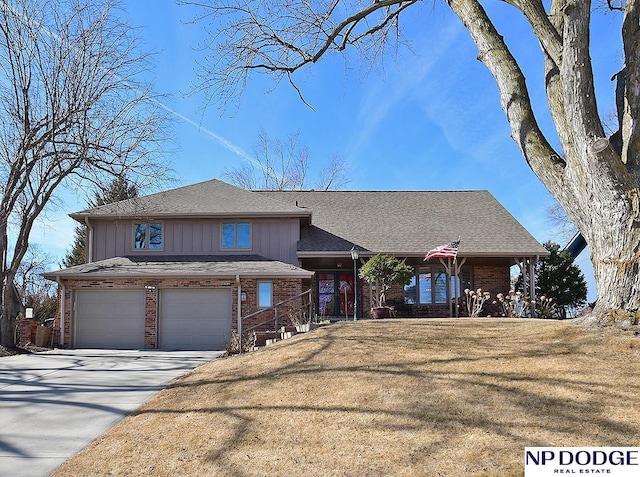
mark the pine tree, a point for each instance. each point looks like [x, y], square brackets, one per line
[118, 189]
[557, 277]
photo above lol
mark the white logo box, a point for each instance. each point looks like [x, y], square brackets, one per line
[556, 461]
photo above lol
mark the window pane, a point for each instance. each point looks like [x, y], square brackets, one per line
[440, 282]
[155, 236]
[425, 287]
[140, 236]
[228, 235]
[326, 294]
[264, 294]
[244, 235]
[410, 292]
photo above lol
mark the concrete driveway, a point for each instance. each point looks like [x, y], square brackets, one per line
[53, 404]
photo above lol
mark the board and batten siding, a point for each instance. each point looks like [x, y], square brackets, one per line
[272, 238]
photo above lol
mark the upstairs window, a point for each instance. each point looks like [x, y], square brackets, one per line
[147, 236]
[236, 235]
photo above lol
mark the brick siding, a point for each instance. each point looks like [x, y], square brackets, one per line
[283, 288]
[492, 279]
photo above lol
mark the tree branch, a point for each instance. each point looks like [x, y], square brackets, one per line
[550, 37]
[494, 53]
[281, 37]
[630, 131]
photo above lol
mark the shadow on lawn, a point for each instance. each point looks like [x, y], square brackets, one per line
[552, 396]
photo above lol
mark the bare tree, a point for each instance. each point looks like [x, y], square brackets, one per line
[34, 290]
[285, 165]
[72, 113]
[595, 178]
[557, 217]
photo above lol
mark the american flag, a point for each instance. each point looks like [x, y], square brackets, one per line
[449, 250]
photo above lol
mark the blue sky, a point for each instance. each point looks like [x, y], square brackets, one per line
[428, 119]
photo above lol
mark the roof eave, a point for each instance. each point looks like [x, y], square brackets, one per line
[80, 216]
[367, 253]
[110, 276]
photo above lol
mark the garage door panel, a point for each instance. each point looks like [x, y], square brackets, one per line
[111, 319]
[196, 319]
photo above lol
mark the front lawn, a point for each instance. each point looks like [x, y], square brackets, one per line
[386, 398]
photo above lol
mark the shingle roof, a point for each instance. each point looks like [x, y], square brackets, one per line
[409, 222]
[211, 266]
[398, 222]
[212, 198]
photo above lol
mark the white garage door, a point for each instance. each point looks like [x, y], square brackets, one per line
[112, 319]
[195, 319]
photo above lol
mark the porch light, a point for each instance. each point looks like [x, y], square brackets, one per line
[355, 253]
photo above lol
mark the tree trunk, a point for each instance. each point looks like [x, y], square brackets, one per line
[7, 319]
[617, 271]
[597, 189]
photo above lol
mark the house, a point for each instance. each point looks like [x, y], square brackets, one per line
[180, 269]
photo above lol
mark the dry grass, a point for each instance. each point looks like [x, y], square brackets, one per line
[386, 398]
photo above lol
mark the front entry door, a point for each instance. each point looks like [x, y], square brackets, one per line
[335, 294]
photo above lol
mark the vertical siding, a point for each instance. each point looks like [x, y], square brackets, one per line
[272, 238]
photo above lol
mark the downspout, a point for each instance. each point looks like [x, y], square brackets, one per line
[63, 299]
[89, 250]
[239, 311]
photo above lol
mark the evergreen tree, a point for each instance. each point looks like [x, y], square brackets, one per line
[557, 277]
[118, 189]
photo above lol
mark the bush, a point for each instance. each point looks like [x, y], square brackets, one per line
[248, 342]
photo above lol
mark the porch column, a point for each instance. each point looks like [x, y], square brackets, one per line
[532, 284]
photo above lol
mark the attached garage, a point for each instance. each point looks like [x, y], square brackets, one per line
[112, 319]
[194, 319]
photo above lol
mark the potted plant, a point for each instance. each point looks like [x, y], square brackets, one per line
[384, 271]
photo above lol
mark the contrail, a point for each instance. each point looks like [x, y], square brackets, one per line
[237, 150]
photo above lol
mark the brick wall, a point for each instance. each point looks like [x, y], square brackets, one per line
[283, 288]
[27, 332]
[492, 279]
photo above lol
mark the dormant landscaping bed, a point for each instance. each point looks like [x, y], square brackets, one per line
[386, 398]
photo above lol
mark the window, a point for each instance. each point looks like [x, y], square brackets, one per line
[265, 294]
[410, 292]
[236, 235]
[432, 286]
[147, 236]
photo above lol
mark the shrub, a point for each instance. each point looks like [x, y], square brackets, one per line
[475, 301]
[248, 342]
[513, 305]
[384, 271]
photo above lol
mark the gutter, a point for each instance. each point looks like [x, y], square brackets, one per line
[62, 292]
[89, 244]
[576, 245]
[368, 253]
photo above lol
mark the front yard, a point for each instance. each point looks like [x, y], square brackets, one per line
[447, 397]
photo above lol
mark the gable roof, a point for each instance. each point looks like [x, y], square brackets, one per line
[409, 223]
[405, 223]
[212, 198]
